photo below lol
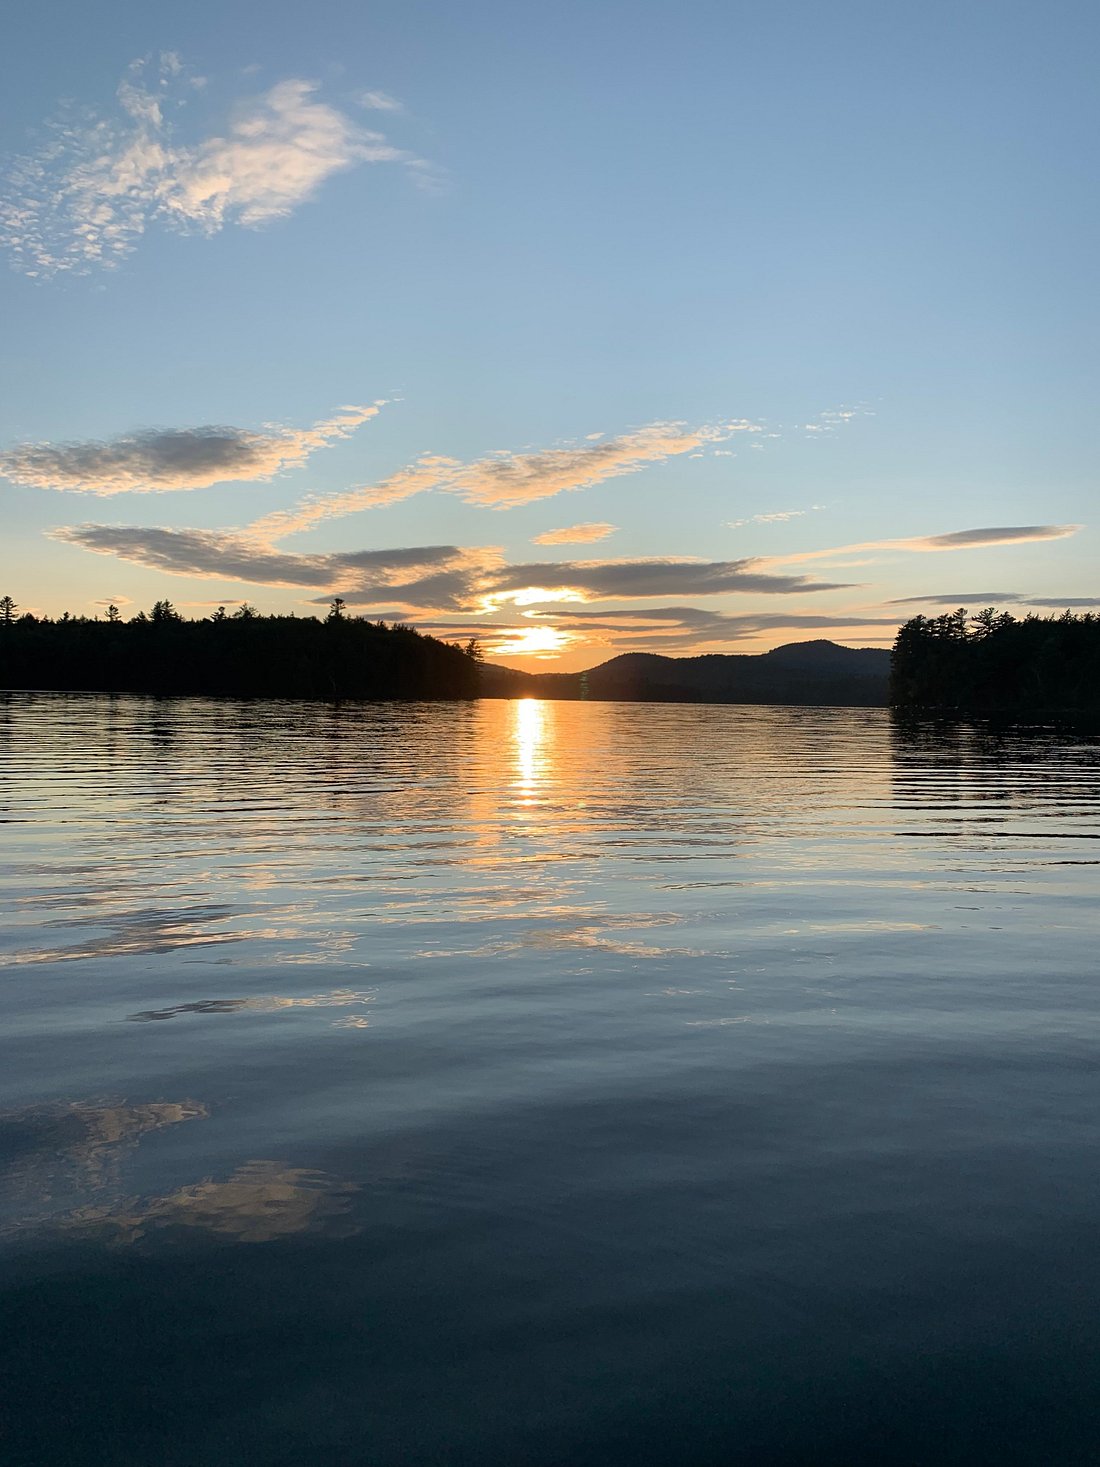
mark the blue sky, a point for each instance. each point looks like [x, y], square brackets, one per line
[371, 299]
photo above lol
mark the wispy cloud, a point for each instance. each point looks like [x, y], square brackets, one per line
[83, 200]
[999, 535]
[774, 517]
[160, 460]
[995, 598]
[834, 418]
[955, 540]
[461, 579]
[638, 578]
[959, 598]
[379, 102]
[654, 629]
[436, 578]
[1060, 603]
[230, 555]
[506, 480]
[584, 534]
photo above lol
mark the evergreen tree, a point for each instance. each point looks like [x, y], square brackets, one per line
[245, 655]
[993, 663]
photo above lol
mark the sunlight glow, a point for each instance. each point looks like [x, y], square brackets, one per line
[532, 595]
[533, 641]
[528, 596]
[530, 736]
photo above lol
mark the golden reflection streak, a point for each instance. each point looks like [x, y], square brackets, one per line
[529, 733]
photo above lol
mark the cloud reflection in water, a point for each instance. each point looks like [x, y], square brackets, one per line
[54, 1159]
[260, 1201]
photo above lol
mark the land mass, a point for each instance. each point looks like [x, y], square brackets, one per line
[805, 673]
[958, 664]
[242, 655]
[996, 666]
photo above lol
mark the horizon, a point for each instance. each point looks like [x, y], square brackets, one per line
[778, 337]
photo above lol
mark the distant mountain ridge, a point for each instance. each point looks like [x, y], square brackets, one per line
[805, 673]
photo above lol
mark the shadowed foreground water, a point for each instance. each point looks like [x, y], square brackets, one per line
[545, 1083]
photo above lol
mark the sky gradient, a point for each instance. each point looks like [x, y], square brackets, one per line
[583, 329]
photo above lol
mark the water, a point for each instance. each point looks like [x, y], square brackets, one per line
[545, 1083]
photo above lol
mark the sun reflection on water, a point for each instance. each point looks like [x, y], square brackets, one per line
[529, 732]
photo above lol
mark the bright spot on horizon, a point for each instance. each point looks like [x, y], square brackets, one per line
[533, 642]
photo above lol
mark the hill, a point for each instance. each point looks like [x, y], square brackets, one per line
[800, 672]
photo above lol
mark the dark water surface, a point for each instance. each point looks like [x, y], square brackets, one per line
[545, 1083]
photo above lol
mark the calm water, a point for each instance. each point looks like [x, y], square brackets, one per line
[535, 1083]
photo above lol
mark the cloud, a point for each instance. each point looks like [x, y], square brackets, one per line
[445, 577]
[700, 619]
[1002, 535]
[379, 102]
[961, 598]
[230, 555]
[834, 418]
[635, 578]
[505, 480]
[775, 517]
[956, 540]
[428, 473]
[160, 460]
[583, 534]
[996, 598]
[654, 629]
[85, 198]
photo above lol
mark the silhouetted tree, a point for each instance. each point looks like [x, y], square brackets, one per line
[8, 609]
[246, 655]
[113, 613]
[336, 611]
[998, 664]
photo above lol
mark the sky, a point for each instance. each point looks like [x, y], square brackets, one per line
[584, 329]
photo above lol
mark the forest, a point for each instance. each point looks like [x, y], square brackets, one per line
[237, 654]
[994, 664]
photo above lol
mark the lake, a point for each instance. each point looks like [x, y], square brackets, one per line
[545, 1083]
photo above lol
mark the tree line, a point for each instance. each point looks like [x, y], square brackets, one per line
[233, 654]
[994, 664]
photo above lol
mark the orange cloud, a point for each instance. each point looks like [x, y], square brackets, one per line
[583, 534]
